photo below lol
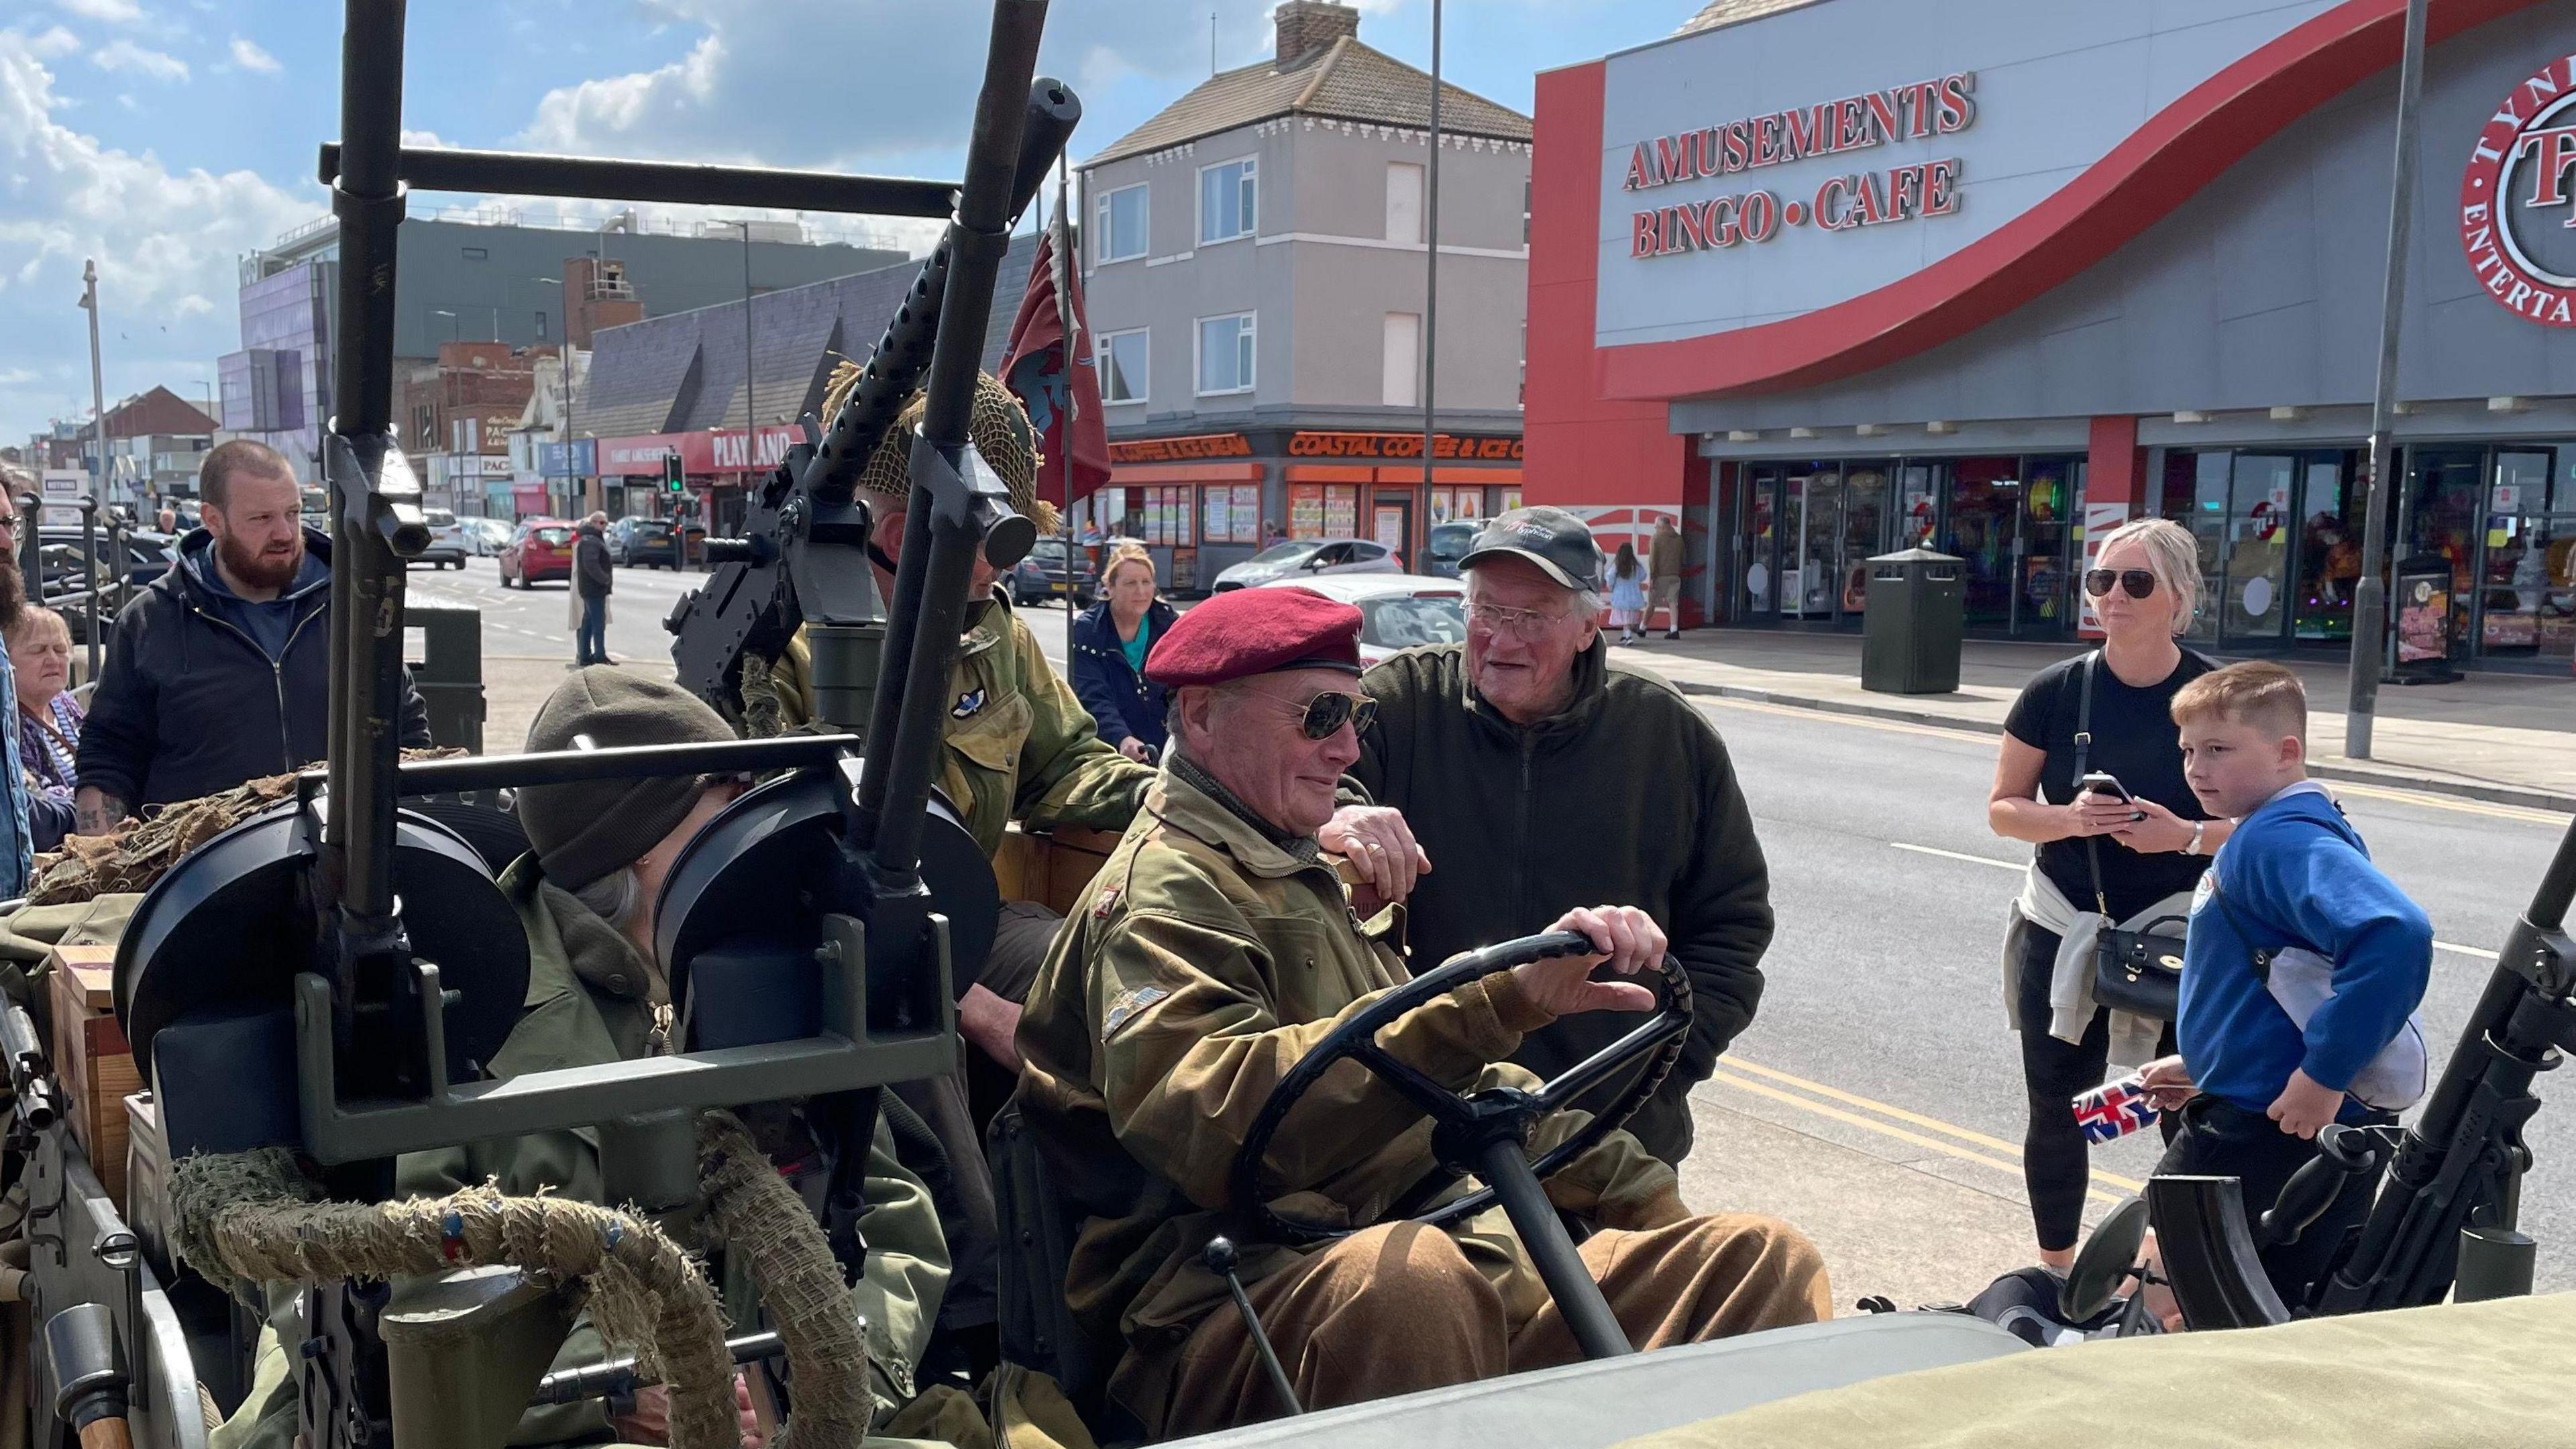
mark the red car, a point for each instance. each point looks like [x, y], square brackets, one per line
[540, 549]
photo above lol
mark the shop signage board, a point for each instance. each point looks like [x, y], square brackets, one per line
[1755, 173]
[2518, 199]
[1403, 445]
[1182, 450]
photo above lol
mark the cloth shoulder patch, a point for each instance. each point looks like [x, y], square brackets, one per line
[968, 705]
[1126, 1007]
[1107, 903]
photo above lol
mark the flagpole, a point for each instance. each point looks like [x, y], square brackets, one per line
[1072, 394]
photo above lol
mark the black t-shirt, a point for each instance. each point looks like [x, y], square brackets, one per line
[2135, 739]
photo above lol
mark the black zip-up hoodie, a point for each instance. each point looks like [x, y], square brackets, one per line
[1625, 799]
[188, 704]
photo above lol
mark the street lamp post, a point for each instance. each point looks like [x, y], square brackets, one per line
[2370, 593]
[97, 386]
[1431, 275]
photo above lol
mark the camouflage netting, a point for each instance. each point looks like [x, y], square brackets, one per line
[998, 427]
[757, 1215]
[253, 1215]
[137, 853]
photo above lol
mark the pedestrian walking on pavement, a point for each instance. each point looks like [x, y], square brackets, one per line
[593, 580]
[1628, 594]
[1664, 579]
[2125, 856]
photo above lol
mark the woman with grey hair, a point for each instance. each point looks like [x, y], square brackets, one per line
[2107, 857]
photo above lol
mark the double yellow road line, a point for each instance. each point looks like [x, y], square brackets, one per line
[1886, 1120]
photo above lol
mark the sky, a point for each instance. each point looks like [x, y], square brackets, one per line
[167, 138]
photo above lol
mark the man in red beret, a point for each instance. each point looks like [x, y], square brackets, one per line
[1218, 946]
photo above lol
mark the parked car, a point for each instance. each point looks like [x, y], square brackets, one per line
[147, 554]
[1448, 543]
[486, 537]
[447, 542]
[1310, 558]
[1397, 611]
[634, 542]
[539, 550]
[1042, 575]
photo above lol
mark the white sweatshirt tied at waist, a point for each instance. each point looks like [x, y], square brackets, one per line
[2070, 982]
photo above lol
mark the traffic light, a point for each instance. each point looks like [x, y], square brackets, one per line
[672, 478]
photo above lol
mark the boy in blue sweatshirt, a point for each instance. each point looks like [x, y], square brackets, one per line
[2291, 902]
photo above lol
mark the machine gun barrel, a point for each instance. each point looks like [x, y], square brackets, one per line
[30, 1075]
[894, 369]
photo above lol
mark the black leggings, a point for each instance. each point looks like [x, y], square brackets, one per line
[2055, 1159]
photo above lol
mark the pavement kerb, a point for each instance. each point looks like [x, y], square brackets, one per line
[2345, 770]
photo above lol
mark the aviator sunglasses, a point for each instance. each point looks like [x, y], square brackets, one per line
[1328, 712]
[2139, 582]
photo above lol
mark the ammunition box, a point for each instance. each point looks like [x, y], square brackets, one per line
[92, 1061]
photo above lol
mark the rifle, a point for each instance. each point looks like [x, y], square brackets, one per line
[2446, 1212]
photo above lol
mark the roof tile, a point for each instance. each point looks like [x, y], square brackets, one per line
[1347, 81]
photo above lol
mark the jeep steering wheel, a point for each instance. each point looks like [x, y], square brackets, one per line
[1484, 1132]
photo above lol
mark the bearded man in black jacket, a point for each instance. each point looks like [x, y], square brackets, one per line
[1535, 776]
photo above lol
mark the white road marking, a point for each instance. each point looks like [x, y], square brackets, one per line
[1961, 855]
[2464, 950]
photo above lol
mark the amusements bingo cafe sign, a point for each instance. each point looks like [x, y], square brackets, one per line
[1852, 125]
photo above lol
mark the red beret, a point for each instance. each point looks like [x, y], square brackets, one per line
[1256, 631]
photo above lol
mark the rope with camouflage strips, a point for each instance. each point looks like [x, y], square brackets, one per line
[254, 1215]
[753, 1211]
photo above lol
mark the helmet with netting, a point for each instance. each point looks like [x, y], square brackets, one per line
[997, 426]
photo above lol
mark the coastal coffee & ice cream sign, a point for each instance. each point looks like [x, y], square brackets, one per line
[1746, 147]
[2518, 199]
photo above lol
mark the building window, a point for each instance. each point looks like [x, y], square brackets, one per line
[1228, 204]
[1403, 353]
[477, 254]
[1123, 366]
[1403, 202]
[541, 327]
[1123, 227]
[1225, 354]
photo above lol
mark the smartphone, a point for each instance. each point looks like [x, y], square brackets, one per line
[2102, 782]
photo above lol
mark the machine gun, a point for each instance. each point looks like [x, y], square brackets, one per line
[800, 561]
[2446, 1214]
[330, 976]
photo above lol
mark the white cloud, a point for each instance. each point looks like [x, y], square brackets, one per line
[249, 56]
[167, 244]
[113, 12]
[126, 55]
[53, 44]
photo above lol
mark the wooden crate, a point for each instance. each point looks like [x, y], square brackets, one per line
[1054, 870]
[91, 1058]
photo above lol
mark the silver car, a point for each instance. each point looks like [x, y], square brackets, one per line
[1308, 558]
[448, 543]
[1397, 611]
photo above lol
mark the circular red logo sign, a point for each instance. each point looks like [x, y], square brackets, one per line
[2518, 199]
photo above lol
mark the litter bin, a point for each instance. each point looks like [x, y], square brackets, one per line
[1917, 614]
[449, 671]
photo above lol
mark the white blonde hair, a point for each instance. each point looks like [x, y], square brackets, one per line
[2172, 557]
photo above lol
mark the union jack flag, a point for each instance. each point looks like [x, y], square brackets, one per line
[2112, 1112]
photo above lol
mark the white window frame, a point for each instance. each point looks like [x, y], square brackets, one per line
[1252, 174]
[1144, 373]
[1249, 339]
[1109, 232]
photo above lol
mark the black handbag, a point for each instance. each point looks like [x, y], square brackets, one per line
[2139, 972]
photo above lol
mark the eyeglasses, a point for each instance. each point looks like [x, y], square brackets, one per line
[2139, 582]
[1326, 713]
[1504, 619]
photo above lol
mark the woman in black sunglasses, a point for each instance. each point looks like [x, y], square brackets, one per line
[2148, 837]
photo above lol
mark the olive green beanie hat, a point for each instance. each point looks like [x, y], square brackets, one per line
[584, 829]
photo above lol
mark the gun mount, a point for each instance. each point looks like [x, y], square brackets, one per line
[333, 975]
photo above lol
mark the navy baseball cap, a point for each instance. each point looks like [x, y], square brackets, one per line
[1555, 540]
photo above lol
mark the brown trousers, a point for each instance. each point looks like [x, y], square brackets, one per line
[1400, 1308]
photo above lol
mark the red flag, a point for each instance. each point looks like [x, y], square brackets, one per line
[1033, 366]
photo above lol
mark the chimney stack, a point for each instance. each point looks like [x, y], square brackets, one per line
[1307, 26]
